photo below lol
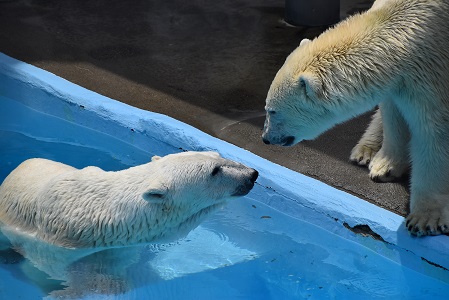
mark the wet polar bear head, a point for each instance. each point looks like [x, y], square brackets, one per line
[198, 175]
[191, 185]
[86, 208]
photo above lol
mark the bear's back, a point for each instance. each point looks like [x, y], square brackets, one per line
[20, 188]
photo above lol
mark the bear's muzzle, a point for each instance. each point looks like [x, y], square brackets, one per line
[247, 185]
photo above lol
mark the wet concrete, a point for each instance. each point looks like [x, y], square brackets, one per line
[206, 63]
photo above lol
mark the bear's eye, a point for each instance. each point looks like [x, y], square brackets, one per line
[215, 171]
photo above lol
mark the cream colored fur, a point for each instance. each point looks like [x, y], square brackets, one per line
[72, 224]
[88, 208]
[396, 56]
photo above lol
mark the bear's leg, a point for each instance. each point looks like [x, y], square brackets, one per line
[392, 160]
[429, 200]
[370, 143]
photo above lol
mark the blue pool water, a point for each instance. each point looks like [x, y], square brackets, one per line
[247, 250]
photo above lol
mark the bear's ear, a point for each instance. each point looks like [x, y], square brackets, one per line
[213, 154]
[154, 158]
[311, 84]
[155, 195]
[303, 42]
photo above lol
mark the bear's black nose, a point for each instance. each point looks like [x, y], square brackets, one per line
[254, 176]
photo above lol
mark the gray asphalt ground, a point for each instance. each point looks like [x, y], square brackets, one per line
[206, 63]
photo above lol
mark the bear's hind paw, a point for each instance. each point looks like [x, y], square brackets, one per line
[362, 155]
[384, 169]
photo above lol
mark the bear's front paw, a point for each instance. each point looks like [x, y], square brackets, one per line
[362, 154]
[428, 222]
[384, 169]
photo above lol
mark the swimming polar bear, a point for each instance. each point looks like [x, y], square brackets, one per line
[72, 224]
[158, 201]
[394, 55]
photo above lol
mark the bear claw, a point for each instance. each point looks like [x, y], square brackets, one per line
[361, 155]
[384, 170]
[431, 222]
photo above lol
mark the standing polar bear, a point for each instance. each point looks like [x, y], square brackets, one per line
[394, 55]
[159, 201]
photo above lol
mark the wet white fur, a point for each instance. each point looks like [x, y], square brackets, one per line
[88, 208]
[396, 56]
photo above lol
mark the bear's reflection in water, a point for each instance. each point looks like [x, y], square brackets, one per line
[75, 273]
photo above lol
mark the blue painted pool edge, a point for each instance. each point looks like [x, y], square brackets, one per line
[285, 190]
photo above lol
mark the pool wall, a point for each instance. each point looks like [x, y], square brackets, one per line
[282, 189]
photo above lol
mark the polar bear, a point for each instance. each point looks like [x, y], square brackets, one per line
[394, 55]
[88, 208]
[73, 223]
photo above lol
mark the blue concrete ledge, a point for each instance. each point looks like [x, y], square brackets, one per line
[282, 189]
